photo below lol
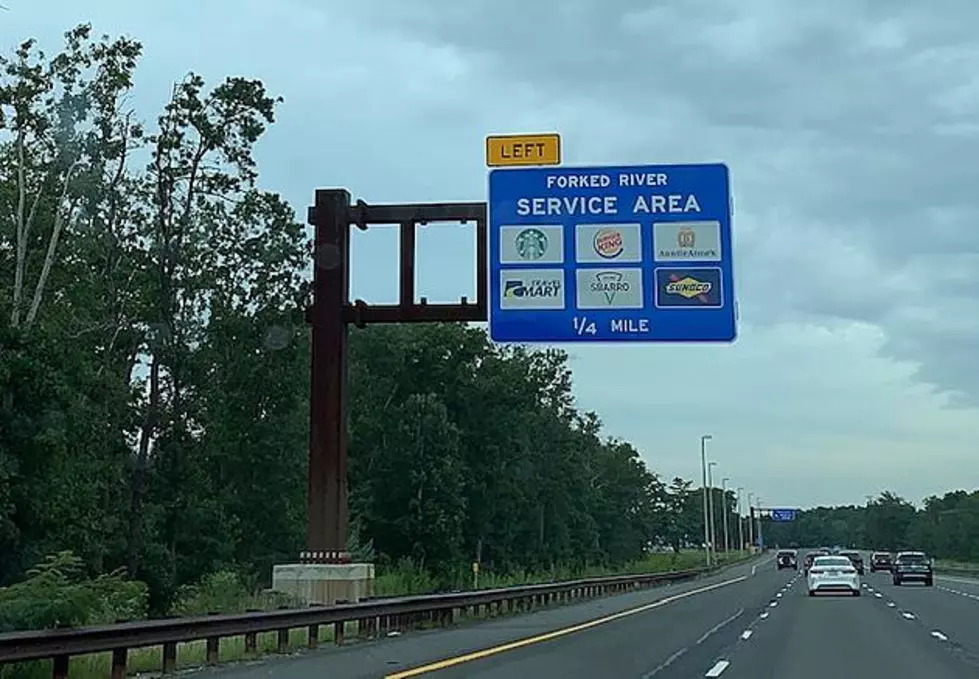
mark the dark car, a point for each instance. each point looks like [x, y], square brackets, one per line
[913, 566]
[855, 558]
[787, 558]
[881, 561]
[807, 563]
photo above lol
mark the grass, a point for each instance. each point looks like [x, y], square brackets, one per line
[943, 564]
[395, 583]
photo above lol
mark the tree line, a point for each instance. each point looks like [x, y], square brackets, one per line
[154, 366]
[946, 526]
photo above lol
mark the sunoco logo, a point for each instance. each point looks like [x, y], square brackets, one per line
[609, 243]
[610, 283]
[689, 288]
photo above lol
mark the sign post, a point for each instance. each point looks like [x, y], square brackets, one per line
[611, 254]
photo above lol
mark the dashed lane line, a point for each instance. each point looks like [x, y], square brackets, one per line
[718, 668]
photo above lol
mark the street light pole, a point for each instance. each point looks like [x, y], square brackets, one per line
[751, 520]
[703, 469]
[761, 538]
[727, 540]
[710, 507]
[740, 518]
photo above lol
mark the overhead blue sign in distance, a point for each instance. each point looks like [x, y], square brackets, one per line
[783, 514]
[611, 254]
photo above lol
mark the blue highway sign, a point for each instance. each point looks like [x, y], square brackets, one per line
[783, 514]
[611, 254]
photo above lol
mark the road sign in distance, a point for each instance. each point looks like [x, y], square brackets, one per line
[617, 254]
[523, 149]
[783, 514]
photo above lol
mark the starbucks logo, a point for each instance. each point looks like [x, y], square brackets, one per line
[531, 244]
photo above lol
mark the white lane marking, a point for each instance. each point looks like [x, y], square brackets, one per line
[908, 616]
[746, 635]
[938, 635]
[754, 569]
[878, 595]
[764, 615]
[716, 670]
[718, 626]
[778, 596]
[669, 661]
[890, 604]
[773, 604]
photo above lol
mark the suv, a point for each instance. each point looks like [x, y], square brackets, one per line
[807, 562]
[913, 566]
[855, 558]
[786, 558]
[881, 561]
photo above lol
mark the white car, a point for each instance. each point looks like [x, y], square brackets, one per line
[833, 574]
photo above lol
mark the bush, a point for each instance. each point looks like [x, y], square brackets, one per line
[227, 592]
[56, 593]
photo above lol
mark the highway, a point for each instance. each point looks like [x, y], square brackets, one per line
[747, 622]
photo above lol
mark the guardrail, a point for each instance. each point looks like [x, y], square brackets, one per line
[962, 572]
[371, 618]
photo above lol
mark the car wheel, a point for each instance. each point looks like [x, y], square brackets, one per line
[929, 582]
[897, 582]
[856, 592]
[812, 592]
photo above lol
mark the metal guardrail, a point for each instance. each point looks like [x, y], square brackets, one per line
[371, 617]
[963, 572]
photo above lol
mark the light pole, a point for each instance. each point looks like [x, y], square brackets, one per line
[727, 540]
[710, 506]
[751, 521]
[703, 469]
[761, 538]
[740, 518]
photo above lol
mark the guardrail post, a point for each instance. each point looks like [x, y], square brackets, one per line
[251, 643]
[338, 633]
[169, 657]
[119, 658]
[313, 635]
[283, 641]
[213, 648]
[60, 670]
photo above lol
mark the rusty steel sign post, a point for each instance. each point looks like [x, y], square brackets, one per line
[332, 312]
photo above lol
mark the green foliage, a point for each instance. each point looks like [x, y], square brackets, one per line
[57, 594]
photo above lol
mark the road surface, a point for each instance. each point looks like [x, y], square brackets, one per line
[749, 622]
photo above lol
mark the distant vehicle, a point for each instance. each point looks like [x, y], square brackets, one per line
[833, 574]
[911, 566]
[881, 561]
[856, 558]
[807, 562]
[787, 558]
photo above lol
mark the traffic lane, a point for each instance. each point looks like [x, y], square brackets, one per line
[646, 644]
[836, 636]
[948, 612]
[369, 660]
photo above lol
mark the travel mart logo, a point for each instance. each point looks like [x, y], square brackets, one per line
[688, 288]
[532, 289]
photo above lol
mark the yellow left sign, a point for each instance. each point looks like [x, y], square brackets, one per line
[523, 149]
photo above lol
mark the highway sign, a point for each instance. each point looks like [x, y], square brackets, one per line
[611, 254]
[523, 149]
[783, 514]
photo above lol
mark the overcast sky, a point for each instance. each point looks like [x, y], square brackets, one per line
[851, 128]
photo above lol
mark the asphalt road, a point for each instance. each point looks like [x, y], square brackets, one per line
[749, 622]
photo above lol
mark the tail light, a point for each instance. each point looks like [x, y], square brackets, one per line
[816, 571]
[849, 571]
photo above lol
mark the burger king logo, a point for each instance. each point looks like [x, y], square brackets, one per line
[608, 243]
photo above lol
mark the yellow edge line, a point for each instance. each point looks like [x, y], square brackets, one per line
[485, 653]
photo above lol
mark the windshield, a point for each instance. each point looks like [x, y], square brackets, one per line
[831, 561]
[913, 559]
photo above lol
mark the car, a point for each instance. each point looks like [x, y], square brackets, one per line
[911, 566]
[807, 562]
[833, 574]
[856, 558]
[881, 561]
[787, 558]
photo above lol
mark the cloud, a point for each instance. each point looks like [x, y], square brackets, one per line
[850, 128]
